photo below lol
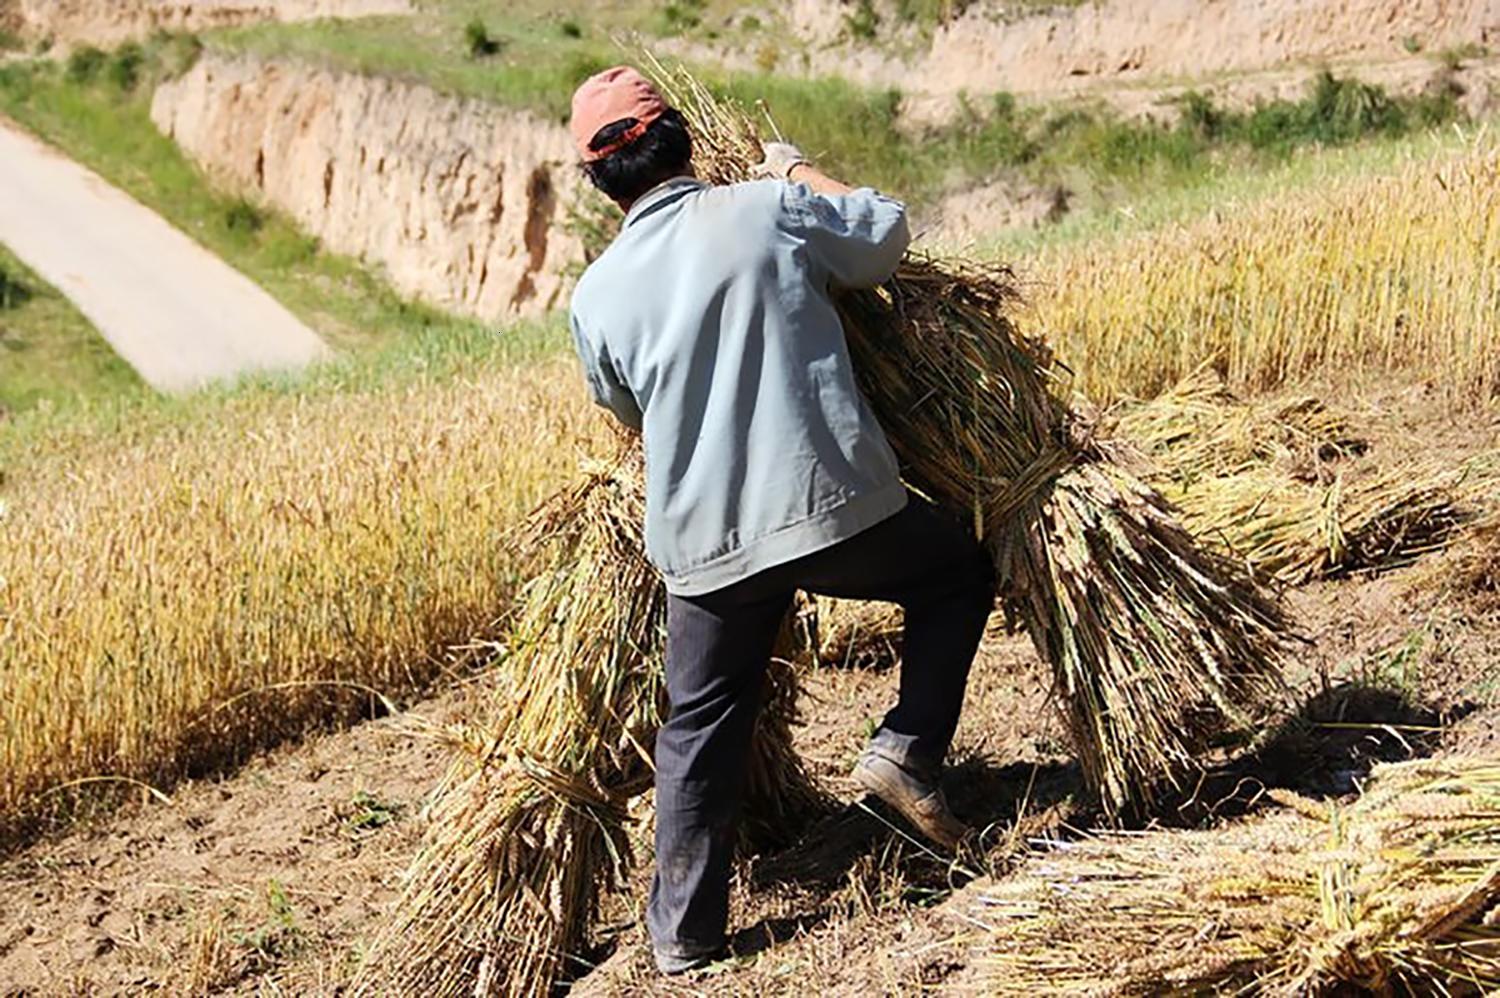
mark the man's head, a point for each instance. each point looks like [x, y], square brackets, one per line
[627, 137]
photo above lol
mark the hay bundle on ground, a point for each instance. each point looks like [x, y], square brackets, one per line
[1397, 893]
[1158, 645]
[854, 634]
[1471, 571]
[530, 822]
[1269, 481]
[1199, 428]
[1298, 531]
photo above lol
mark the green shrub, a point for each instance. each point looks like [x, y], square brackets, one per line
[13, 293]
[570, 28]
[174, 53]
[582, 65]
[84, 64]
[478, 41]
[983, 143]
[10, 41]
[243, 216]
[1455, 57]
[124, 68]
[17, 78]
[1336, 111]
[863, 22]
[682, 15]
[1200, 116]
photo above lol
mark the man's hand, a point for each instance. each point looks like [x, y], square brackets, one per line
[781, 159]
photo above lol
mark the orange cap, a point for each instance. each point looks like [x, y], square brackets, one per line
[608, 97]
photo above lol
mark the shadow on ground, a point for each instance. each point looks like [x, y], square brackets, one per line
[987, 796]
[1324, 750]
[865, 846]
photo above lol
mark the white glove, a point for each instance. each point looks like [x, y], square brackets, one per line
[781, 158]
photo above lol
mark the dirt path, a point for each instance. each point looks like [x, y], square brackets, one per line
[179, 315]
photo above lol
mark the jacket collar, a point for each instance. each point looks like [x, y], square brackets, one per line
[660, 196]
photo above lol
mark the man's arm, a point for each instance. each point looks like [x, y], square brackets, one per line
[856, 235]
[604, 382]
[820, 182]
[784, 161]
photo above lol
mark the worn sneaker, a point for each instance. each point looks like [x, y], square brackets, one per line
[916, 798]
[677, 964]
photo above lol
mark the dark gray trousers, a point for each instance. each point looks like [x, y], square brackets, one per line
[718, 647]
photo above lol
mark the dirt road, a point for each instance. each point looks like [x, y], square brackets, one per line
[179, 315]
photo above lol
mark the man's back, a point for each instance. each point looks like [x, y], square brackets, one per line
[708, 323]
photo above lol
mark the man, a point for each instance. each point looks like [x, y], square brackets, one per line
[708, 325]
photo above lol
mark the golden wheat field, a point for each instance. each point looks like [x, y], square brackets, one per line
[176, 602]
[1399, 273]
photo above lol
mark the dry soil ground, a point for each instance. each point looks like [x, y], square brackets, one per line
[271, 880]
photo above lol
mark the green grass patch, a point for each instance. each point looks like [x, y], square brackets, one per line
[439, 352]
[857, 134]
[50, 355]
[532, 60]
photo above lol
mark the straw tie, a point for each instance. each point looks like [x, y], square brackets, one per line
[1028, 488]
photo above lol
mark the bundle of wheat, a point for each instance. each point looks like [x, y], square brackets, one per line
[1199, 428]
[1277, 482]
[528, 823]
[1158, 645]
[1397, 893]
[854, 634]
[531, 820]
[1298, 531]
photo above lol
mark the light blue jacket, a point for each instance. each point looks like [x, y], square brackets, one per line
[707, 324]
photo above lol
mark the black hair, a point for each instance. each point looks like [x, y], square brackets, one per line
[662, 152]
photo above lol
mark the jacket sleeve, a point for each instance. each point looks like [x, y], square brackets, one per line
[857, 239]
[603, 379]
